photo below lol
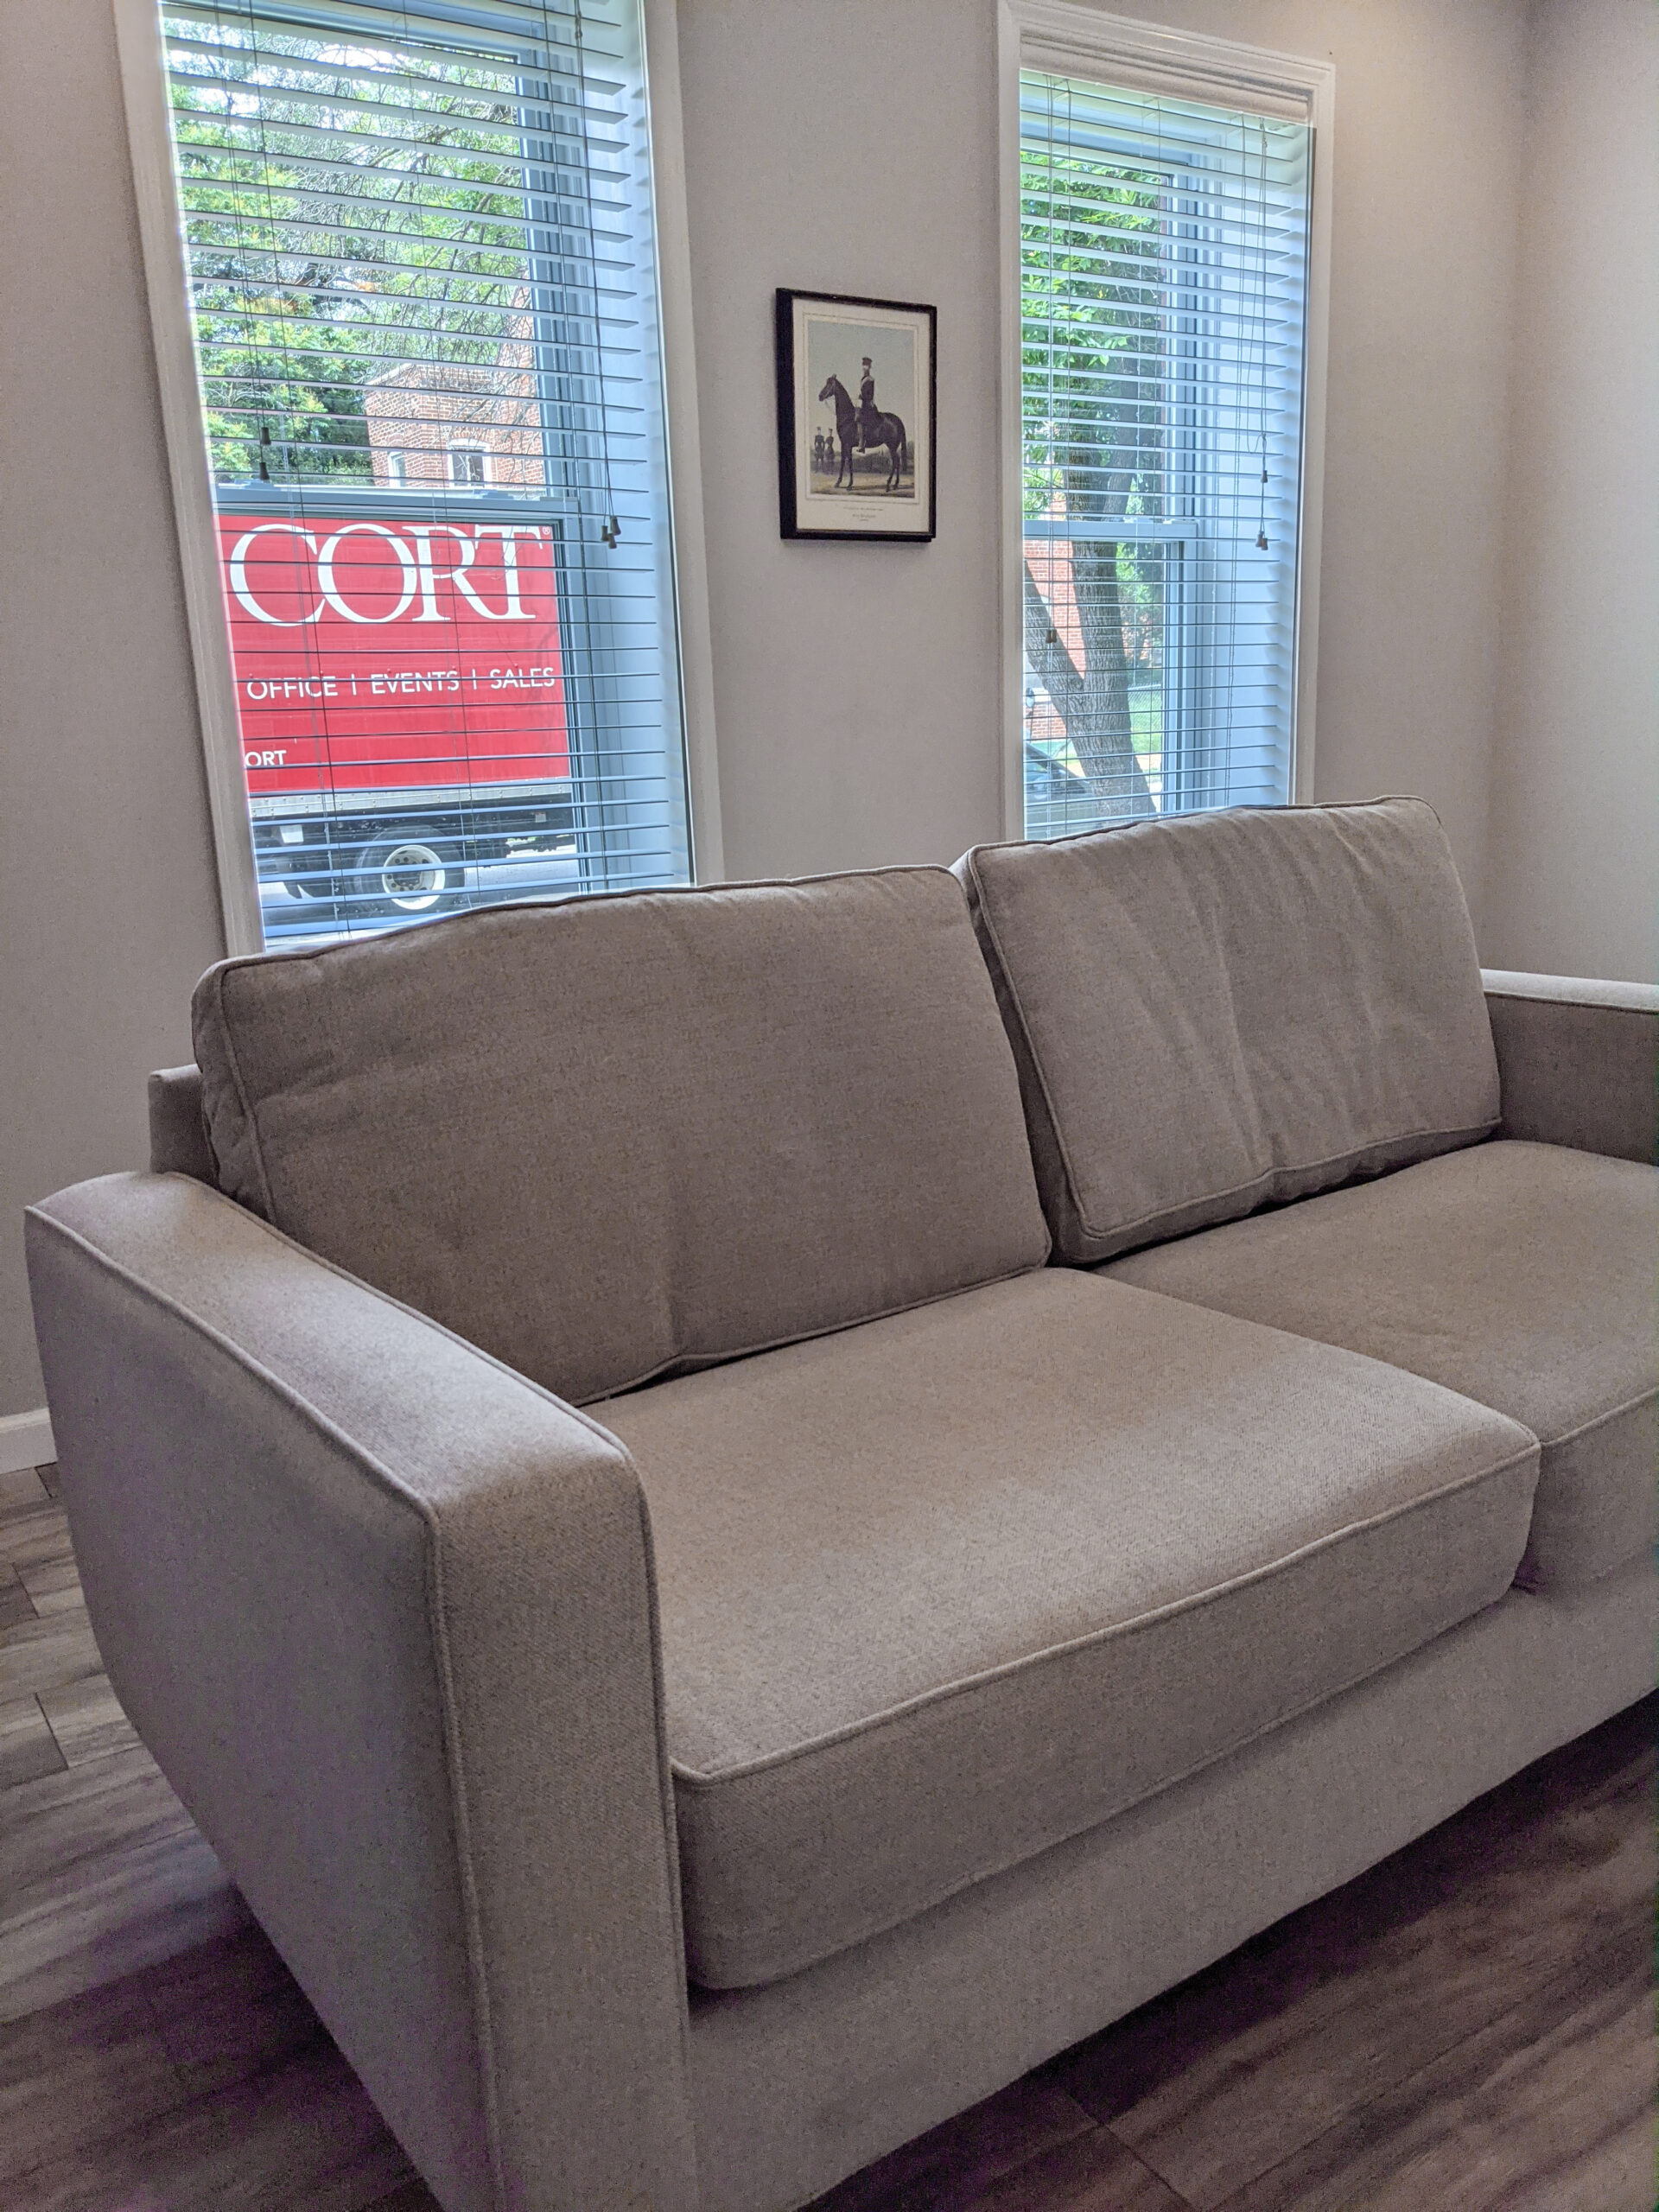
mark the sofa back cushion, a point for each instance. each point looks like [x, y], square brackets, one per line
[615, 1137]
[1217, 1011]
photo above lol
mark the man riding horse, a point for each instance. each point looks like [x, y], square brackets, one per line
[868, 417]
[863, 425]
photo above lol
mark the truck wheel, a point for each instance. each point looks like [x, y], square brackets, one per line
[413, 873]
[312, 888]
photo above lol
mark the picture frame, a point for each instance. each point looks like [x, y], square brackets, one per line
[857, 384]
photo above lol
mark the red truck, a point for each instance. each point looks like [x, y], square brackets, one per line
[402, 695]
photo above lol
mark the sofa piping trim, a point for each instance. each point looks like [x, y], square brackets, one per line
[1642, 1397]
[1552, 1587]
[873, 1927]
[694, 1779]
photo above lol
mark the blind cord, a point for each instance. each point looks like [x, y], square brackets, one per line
[611, 530]
[1261, 326]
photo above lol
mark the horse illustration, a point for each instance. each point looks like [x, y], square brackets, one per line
[889, 432]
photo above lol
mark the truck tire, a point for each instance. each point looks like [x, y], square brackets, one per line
[408, 872]
[314, 888]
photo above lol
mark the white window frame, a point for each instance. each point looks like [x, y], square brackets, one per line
[467, 445]
[1069, 38]
[143, 77]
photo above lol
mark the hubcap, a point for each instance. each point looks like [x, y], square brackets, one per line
[413, 877]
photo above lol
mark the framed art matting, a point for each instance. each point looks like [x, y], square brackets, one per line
[856, 390]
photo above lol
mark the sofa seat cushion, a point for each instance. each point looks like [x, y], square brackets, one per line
[940, 1591]
[1214, 1012]
[1521, 1275]
[611, 1138]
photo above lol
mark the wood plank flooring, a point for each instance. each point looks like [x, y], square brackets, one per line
[1468, 2028]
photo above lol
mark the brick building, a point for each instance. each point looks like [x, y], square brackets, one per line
[458, 424]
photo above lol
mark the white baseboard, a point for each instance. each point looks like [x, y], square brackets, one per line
[25, 1440]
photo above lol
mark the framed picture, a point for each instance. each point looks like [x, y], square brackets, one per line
[856, 388]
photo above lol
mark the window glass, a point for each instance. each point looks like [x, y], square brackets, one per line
[1163, 267]
[424, 288]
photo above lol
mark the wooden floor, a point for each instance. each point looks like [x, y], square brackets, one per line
[1470, 2026]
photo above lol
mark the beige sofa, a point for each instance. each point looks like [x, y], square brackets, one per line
[744, 1511]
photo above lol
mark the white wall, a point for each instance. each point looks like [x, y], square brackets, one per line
[857, 688]
[1574, 859]
[108, 908]
[850, 149]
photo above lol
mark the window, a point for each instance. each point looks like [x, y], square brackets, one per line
[1162, 325]
[421, 256]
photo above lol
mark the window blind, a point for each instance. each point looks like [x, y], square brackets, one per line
[422, 272]
[1163, 271]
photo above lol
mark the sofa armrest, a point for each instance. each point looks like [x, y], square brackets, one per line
[178, 1133]
[1578, 1061]
[385, 1613]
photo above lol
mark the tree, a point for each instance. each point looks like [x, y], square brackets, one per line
[1093, 345]
[312, 272]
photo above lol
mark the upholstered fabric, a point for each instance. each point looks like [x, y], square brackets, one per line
[1214, 1012]
[807, 2080]
[611, 1137]
[178, 1137]
[940, 1591]
[384, 1612]
[1578, 1061]
[1523, 1276]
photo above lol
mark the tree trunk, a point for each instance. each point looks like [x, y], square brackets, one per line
[1093, 702]
[1114, 769]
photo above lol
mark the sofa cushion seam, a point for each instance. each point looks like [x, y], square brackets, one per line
[1580, 1005]
[1017, 999]
[1476, 1132]
[1649, 1391]
[676, 1369]
[250, 1119]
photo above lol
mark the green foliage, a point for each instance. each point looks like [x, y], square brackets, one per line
[339, 222]
[1093, 358]
[1093, 339]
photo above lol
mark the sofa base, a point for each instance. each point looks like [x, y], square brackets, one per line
[798, 2084]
